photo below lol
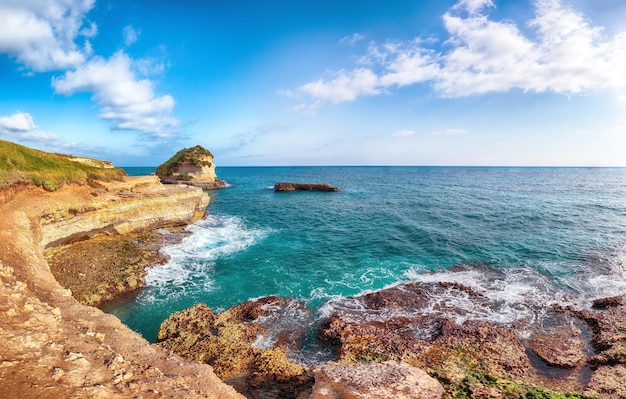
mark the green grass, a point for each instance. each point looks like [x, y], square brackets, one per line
[51, 171]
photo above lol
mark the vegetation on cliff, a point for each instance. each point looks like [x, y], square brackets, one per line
[194, 156]
[22, 164]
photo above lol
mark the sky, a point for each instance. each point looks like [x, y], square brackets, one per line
[324, 82]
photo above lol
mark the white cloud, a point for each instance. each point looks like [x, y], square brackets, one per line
[345, 87]
[352, 39]
[128, 102]
[404, 133]
[20, 126]
[563, 53]
[473, 6]
[41, 34]
[131, 35]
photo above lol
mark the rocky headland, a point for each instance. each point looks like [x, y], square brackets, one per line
[53, 346]
[191, 166]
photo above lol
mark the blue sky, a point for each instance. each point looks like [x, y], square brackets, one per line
[327, 82]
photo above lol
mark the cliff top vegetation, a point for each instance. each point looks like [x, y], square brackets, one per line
[187, 156]
[22, 164]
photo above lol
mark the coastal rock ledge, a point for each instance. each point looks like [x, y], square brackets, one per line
[51, 346]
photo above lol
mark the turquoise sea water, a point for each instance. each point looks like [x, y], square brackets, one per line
[524, 236]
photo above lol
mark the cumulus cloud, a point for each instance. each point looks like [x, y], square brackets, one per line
[44, 35]
[127, 101]
[561, 52]
[41, 34]
[21, 127]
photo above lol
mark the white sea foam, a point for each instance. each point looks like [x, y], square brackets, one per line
[192, 260]
[513, 296]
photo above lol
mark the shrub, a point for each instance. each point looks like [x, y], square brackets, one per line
[184, 177]
[50, 185]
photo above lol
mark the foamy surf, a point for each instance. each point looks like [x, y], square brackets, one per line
[514, 296]
[193, 259]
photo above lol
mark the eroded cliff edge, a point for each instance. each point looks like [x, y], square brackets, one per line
[51, 345]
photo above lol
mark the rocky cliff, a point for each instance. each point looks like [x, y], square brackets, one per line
[52, 346]
[191, 166]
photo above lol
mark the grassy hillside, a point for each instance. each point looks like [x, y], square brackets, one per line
[23, 164]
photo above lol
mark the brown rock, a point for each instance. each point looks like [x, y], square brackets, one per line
[389, 380]
[286, 187]
[608, 382]
[229, 342]
[603, 303]
[561, 347]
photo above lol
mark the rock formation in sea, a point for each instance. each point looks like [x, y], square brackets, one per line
[191, 166]
[52, 346]
[287, 187]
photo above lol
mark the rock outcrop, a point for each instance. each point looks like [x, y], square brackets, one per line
[240, 347]
[136, 204]
[51, 345]
[287, 187]
[191, 166]
[480, 358]
[388, 380]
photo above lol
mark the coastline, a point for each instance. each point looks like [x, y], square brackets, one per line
[74, 350]
[53, 346]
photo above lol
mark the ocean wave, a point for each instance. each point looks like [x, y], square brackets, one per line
[193, 259]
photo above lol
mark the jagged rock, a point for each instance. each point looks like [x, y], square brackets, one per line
[286, 187]
[389, 380]
[432, 342]
[608, 382]
[240, 347]
[561, 347]
[191, 166]
[604, 303]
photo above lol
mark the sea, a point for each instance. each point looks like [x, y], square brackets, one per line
[526, 237]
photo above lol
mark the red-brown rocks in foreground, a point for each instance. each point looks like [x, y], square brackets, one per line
[287, 187]
[389, 380]
[610, 302]
[234, 343]
[561, 347]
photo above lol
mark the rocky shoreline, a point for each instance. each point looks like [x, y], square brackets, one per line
[99, 269]
[97, 240]
[53, 346]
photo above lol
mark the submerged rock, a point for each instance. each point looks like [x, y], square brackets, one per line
[389, 380]
[561, 347]
[286, 187]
